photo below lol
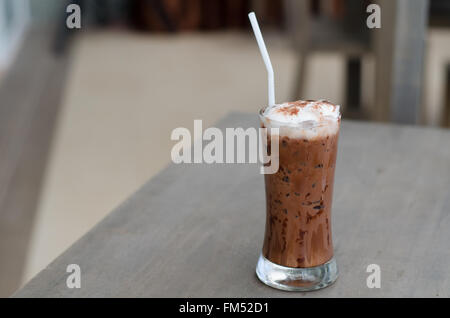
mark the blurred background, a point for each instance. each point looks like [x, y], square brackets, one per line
[86, 114]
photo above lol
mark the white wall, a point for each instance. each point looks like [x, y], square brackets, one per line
[14, 19]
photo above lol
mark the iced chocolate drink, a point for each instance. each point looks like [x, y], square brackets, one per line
[298, 248]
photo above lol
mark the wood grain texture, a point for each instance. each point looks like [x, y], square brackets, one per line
[197, 230]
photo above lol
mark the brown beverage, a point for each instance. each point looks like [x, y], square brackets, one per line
[299, 195]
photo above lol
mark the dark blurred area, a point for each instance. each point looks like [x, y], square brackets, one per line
[180, 15]
[75, 104]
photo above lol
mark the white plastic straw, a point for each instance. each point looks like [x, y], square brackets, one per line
[265, 56]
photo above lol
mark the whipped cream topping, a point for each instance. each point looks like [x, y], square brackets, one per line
[303, 119]
[303, 111]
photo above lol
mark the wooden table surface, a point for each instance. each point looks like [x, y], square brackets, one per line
[197, 230]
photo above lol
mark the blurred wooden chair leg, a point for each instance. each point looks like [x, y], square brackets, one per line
[399, 50]
[298, 25]
[298, 90]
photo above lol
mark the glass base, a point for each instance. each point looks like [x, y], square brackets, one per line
[296, 279]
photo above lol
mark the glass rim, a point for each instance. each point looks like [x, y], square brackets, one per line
[309, 123]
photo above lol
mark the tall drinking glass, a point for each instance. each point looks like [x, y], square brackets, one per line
[297, 254]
